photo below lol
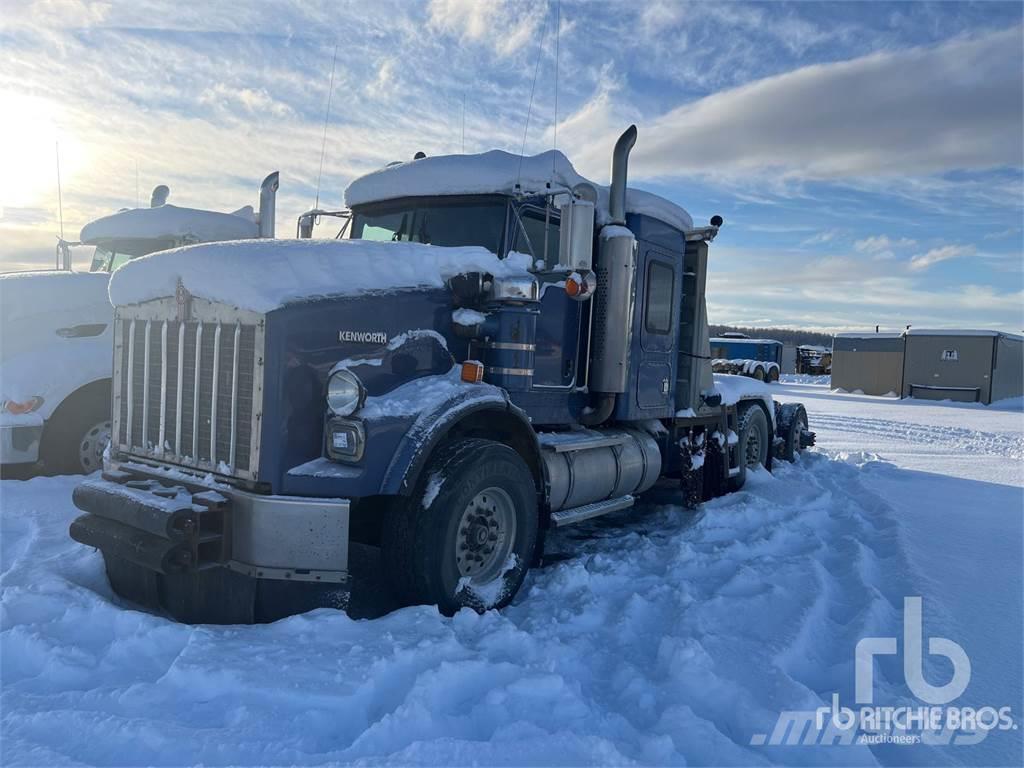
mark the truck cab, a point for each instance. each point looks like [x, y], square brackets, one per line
[498, 347]
[57, 325]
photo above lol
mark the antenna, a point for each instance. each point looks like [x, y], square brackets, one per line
[60, 200]
[327, 117]
[529, 109]
[558, 34]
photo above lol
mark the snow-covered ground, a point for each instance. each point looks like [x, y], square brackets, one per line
[656, 636]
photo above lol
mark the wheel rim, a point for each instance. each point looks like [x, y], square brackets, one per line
[753, 448]
[485, 536]
[92, 445]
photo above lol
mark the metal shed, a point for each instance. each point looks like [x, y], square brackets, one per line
[871, 363]
[964, 365]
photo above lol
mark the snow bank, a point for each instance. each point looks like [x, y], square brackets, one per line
[501, 173]
[170, 221]
[805, 378]
[655, 636]
[262, 275]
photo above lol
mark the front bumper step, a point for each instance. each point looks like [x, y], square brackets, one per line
[166, 529]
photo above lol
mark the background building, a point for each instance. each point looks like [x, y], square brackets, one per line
[964, 365]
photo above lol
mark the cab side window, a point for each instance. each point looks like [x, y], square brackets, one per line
[530, 238]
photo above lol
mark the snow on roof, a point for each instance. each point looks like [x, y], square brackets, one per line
[745, 340]
[27, 294]
[170, 221]
[498, 172]
[262, 275]
[961, 332]
[869, 335]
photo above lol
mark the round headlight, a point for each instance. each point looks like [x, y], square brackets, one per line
[345, 393]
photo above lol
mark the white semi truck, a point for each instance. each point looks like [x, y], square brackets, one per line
[55, 330]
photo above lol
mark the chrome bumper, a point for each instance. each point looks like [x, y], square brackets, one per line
[19, 444]
[174, 526]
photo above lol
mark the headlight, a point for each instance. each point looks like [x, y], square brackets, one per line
[345, 393]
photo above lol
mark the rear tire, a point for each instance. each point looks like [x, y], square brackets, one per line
[752, 448]
[468, 535]
[759, 373]
[792, 422]
[773, 374]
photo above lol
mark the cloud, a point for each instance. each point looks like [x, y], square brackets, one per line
[917, 112]
[507, 26]
[946, 252]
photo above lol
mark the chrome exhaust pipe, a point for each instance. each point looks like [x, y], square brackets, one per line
[268, 204]
[159, 196]
[620, 170]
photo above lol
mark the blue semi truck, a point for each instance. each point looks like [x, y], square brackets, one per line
[737, 353]
[498, 347]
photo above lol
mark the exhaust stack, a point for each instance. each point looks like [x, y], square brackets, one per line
[159, 196]
[268, 204]
[613, 302]
[620, 170]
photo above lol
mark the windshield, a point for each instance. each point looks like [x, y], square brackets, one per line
[435, 221]
[107, 261]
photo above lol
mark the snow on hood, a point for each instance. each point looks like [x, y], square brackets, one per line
[27, 294]
[498, 172]
[170, 221]
[262, 275]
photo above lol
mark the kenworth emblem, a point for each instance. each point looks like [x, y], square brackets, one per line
[364, 337]
[184, 300]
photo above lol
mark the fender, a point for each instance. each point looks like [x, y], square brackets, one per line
[466, 412]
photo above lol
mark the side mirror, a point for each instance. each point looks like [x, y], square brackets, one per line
[576, 247]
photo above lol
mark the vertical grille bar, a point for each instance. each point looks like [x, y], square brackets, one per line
[195, 393]
[234, 394]
[213, 397]
[145, 389]
[130, 375]
[163, 388]
[181, 371]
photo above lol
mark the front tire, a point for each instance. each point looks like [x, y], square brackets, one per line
[468, 535]
[78, 432]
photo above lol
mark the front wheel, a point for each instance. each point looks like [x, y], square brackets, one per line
[467, 536]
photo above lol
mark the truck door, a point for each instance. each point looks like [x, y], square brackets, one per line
[658, 327]
[558, 327]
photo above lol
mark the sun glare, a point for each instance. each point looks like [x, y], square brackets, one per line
[29, 136]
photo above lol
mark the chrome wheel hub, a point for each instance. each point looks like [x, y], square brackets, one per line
[485, 536]
[92, 445]
[753, 453]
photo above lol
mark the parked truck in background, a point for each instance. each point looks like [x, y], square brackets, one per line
[56, 330]
[501, 347]
[736, 353]
[814, 360]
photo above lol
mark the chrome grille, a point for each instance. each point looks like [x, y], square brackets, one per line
[189, 392]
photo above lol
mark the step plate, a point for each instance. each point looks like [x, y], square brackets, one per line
[564, 517]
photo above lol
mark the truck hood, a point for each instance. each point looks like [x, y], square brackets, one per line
[25, 295]
[263, 275]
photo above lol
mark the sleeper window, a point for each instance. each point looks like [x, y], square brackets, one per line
[660, 289]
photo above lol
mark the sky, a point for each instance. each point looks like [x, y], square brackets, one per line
[868, 158]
